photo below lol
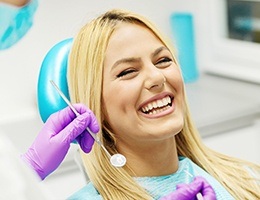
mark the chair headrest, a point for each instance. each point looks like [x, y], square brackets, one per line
[54, 67]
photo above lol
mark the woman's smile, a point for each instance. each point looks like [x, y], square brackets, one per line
[157, 106]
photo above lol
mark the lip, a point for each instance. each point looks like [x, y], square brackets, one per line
[154, 98]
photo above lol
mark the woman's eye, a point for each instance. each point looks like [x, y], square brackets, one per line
[164, 62]
[125, 73]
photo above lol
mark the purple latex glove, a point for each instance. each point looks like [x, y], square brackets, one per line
[53, 142]
[189, 191]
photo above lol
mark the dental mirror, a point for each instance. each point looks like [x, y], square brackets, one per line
[117, 160]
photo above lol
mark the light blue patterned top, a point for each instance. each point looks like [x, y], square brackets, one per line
[160, 186]
[15, 22]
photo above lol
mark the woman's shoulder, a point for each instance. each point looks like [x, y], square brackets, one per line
[88, 192]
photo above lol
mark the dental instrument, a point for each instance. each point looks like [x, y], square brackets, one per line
[117, 160]
[199, 195]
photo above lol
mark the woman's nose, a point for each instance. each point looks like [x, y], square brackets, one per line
[154, 78]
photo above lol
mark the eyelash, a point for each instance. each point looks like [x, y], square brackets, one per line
[125, 72]
[164, 60]
[129, 71]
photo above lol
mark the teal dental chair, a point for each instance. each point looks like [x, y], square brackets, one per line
[54, 67]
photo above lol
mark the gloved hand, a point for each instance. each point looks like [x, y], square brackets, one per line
[52, 143]
[189, 191]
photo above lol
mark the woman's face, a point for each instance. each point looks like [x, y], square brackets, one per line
[142, 87]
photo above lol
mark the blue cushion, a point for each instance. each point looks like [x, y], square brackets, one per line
[54, 67]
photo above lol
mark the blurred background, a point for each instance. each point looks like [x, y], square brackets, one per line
[218, 44]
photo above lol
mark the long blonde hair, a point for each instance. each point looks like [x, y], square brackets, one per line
[85, 86]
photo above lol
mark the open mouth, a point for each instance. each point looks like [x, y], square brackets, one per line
[157, 106]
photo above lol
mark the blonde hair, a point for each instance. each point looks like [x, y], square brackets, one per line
[85, 86]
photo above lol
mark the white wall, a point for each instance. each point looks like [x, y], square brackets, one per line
[241, 143]
[56, 20]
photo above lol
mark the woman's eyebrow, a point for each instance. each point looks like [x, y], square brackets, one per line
[136, 60]
[160, 49]
[126, 61]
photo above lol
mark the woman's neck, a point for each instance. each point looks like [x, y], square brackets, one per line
[155, 159]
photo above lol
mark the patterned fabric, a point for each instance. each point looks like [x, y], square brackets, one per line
[15, 22]
[163, 185]
[160, 186]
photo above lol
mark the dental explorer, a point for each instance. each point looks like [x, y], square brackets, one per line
[117, 160]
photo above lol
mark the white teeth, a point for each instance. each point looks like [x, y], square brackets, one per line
[160, 103]
[150, 106]
[157, 104]
[165, 100]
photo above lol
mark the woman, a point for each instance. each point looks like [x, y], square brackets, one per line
[126, 72]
